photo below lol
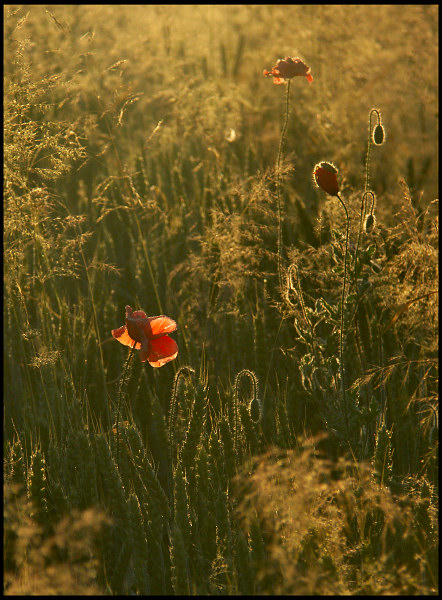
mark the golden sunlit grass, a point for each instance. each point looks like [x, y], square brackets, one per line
[328, 527]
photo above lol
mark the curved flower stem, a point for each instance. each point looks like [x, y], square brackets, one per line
[278, 184]
[367, 160]
[363, 211]
[172, 414]
[341, 341]
[236, 400]
[119, 403]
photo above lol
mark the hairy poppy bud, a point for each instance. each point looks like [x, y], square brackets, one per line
[325, 177]
[255, 410]
[378, 135]
[370, 223]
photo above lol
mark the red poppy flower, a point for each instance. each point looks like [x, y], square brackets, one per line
[287, 68]
[325, 177]
[148, 334]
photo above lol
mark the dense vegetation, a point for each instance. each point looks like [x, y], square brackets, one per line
[292, 446]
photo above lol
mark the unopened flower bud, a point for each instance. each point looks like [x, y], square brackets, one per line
[255, 410]
[370, 223]
[325, 177]
[378, 135]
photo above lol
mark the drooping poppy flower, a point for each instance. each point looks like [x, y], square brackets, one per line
[287, 68]
[325, 177]
[148, 334]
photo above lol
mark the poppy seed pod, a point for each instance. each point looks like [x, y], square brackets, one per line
[378, 135]
[325, 177]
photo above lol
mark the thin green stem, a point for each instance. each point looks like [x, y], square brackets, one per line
[306, 319]
[341, 341]
[363, 212]
[252, 377]
[172, 414]
[278, 184]
[119, 403]
[367, 162]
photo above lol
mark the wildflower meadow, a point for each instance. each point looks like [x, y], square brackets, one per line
[220, 300]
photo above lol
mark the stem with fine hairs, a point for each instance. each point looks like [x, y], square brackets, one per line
[341, 340]
[129, 358]
[278, 184]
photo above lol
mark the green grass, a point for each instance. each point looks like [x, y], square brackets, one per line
[148, 162]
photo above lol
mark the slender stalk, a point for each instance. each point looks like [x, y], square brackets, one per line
[236, 399]
[119, 403]
[367, 162]
[278, 184]
[172, 413]
[361, 220]
[341, 340]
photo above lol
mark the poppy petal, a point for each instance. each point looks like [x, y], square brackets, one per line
[157, 326]
[139, 314]
[118, 332]
[162, 350]
[278, 80]
[121, 334]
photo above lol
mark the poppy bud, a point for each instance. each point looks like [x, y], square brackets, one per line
[370, 223]
[325, 177]
[255, 410]
[378, 135]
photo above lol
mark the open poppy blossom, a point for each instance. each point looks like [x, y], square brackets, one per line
[149, 335]
[325, 177]
[287, 68]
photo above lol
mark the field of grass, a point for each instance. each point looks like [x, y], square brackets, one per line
[292, 445]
